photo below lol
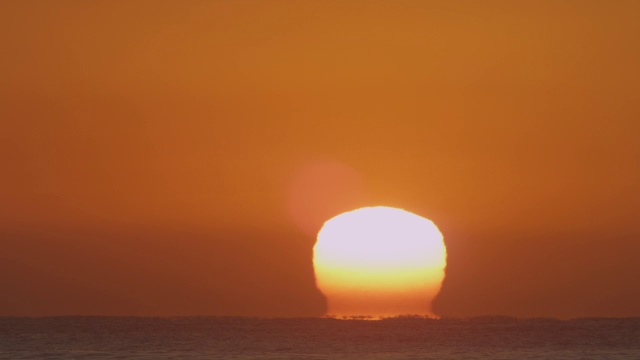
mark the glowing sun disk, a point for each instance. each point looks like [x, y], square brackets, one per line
[379, 261]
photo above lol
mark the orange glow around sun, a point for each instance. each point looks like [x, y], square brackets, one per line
[378, 262]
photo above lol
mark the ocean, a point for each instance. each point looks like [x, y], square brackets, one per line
[77, 337]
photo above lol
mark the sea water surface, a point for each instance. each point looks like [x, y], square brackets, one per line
[317, 338]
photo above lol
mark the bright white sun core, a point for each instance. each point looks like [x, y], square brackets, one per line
[379, 262]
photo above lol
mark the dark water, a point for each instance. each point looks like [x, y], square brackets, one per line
[316, 338]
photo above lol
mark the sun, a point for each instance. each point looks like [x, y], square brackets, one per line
[379, 262]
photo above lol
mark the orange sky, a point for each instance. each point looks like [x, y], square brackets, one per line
[151, 150]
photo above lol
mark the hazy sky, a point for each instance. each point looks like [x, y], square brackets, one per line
[156, 154]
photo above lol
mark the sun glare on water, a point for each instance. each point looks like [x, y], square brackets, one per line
[379, 262]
